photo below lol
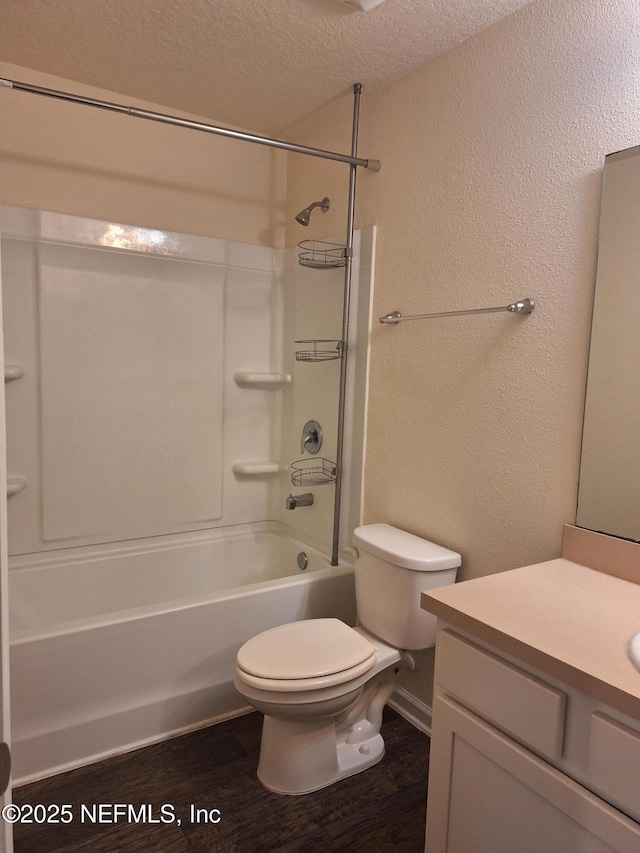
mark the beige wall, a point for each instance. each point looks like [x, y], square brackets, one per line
[492, 159]
[72, 159]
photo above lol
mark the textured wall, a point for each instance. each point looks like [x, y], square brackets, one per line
[257, 63]
[489, 191]
[73, 159]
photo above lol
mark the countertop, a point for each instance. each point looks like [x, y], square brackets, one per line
[567, 620]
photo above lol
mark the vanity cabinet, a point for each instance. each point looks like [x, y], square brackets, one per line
[522, 762]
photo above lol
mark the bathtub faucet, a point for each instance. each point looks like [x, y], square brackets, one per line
[294, 501]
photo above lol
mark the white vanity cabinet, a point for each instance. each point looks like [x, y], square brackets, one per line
[523, 763]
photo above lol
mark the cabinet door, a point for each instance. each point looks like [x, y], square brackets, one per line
[487, 794]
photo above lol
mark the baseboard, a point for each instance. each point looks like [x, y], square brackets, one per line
[412, 709]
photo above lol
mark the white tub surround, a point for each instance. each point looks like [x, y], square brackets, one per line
[152, 383]
[127, 420]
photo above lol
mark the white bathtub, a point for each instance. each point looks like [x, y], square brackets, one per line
[116, 646]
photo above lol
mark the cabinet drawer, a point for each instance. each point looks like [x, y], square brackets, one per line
[513, 700]
[614, 763]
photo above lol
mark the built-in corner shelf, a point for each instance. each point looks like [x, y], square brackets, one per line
[16, 484]
[13, 371]
[266, 468]
[250, 379]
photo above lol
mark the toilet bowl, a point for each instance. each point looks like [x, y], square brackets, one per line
[311, 737]
[322, 685]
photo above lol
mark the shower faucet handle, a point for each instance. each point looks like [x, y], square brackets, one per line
[311, 437]
[308, 440]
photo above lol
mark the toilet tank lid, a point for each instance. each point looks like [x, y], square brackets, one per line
[404, 549]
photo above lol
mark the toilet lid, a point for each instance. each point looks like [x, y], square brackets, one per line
[308, 649]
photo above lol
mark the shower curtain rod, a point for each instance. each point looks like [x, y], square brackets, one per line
[373, 165]
[346, 308]
[522, 306]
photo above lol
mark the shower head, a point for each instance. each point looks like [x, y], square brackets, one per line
[303, 216]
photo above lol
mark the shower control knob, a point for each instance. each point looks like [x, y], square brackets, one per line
[311, 440]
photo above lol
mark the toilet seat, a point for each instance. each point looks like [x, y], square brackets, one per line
[305, 656]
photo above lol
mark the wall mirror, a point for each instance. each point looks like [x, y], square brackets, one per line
[609, 489]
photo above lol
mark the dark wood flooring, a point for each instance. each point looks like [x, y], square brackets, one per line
[381, 809]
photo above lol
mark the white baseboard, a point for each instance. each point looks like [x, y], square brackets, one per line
[412, 709]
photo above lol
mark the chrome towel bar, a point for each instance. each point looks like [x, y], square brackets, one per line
[522, 306]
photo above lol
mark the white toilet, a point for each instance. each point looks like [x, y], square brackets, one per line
[322, 685]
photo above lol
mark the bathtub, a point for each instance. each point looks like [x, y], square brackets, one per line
[118, 646]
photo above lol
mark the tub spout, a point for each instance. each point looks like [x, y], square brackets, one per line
[294, 501]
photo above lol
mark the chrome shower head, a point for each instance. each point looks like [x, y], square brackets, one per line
[303, 216]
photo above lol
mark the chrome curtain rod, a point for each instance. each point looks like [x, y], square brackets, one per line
[373, 165]
[346, 303]
[522, 306]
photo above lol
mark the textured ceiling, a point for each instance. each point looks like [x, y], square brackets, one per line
[257, 64]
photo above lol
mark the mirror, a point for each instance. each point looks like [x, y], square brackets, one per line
[609, 488]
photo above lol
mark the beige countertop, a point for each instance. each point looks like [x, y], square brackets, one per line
[561, 617]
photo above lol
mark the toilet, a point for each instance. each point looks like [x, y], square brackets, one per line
[323, 685]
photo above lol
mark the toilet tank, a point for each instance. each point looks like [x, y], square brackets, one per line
[392, 568]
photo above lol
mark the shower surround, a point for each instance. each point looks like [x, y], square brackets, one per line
[149, 442]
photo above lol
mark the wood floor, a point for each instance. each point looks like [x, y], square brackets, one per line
[381, 809]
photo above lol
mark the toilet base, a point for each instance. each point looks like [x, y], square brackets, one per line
[313, 759]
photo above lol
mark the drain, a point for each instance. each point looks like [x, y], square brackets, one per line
[302, 560]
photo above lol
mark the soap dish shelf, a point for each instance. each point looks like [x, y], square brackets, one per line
[313, 472]
[13, 372]
[259, 468]
[253, 379]
[15, 484]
